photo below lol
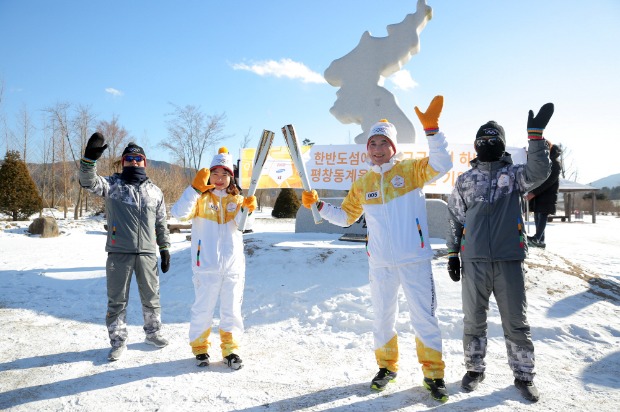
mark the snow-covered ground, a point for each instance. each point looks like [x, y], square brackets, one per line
[308, 343]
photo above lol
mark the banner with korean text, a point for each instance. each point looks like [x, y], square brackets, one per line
[336, 167]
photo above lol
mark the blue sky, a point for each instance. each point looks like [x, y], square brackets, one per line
[492, 60]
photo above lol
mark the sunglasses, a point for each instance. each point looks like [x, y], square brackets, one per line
[131, 158]
[492, 141]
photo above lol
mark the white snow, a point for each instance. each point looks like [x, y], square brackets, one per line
[308, 341]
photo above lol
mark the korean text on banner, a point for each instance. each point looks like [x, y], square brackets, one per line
[336, 167]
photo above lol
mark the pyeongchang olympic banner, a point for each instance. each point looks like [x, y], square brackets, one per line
[336, 167]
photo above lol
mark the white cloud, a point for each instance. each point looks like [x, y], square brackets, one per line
[113, 91]
[402, 80]
[283, 68]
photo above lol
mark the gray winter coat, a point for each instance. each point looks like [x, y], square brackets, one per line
[485, 207]
[136, 214]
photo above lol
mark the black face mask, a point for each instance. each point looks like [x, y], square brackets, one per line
[489, 150]
[133, 174]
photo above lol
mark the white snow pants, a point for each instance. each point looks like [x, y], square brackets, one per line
[418, 285]
[208, 287]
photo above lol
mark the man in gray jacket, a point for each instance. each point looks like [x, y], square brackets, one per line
[486, 229]
[136, 217]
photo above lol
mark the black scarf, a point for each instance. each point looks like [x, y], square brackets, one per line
[133, 175]
[487, 152]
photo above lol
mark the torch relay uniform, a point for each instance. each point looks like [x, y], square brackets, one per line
[399, 253]
[218, 263]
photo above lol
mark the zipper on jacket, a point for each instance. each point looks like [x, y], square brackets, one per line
[221, 228]
[489, 198]
[387, 217]
[139, 194]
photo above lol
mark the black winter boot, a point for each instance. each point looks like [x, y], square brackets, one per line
[471, 380]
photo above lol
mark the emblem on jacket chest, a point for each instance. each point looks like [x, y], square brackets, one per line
[503, 180]
[398, 181]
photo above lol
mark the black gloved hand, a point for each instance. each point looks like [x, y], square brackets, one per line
[536, 124]
[454, 268]
[165, 260]
[95, 147]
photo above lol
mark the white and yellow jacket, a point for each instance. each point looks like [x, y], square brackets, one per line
[392, 200]
[217, 244]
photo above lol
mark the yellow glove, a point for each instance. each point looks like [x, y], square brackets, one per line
[430, 119]
[308, 198]
[249, 203]
[200, 183]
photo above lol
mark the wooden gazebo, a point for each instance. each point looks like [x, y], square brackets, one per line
[570, 188]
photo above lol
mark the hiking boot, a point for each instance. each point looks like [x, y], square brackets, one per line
[528, 390]
[437, 388]
[202, 359]
[382, 378]
[471, 380]
[156, 340]
[116, 352]
[234, 361]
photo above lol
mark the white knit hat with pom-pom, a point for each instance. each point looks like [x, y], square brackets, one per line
[223, 159]
[383, 128]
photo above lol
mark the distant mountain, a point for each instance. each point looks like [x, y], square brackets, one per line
[160, 164]
[609, 181]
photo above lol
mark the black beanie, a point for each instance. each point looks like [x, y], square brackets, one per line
[133, 148]
[492, 129]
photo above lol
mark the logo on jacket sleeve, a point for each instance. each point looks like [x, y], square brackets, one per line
[398, 181]
[372, 195]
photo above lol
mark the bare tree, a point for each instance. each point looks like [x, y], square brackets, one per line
[83, 125]
[190, 133]
[26, 129]
[2, 118]
[50, 160]
[170, 181]
[245, 142]
[46, 167]
[569, 169]
[116, 137]
[8, 133]
[59, 115]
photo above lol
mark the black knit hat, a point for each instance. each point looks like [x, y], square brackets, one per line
[492, 129]
[133, 148]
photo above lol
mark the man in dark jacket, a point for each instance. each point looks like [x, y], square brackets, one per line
[544, 198]
[486, 229]
[136, 216]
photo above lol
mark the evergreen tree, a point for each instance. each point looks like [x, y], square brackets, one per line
[19, 196]
[286, 205]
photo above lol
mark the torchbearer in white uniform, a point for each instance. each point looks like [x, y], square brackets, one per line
[399, 254]
[214, 206]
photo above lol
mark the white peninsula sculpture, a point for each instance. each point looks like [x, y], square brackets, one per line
[361, 99]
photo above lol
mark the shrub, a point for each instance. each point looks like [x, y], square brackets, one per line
[286, 205]
[19, 196]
